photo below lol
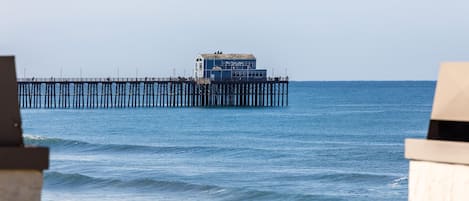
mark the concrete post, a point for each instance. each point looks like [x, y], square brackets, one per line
[20, 167]
[439, 165]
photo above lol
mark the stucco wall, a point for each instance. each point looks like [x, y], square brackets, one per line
[431, 181]
[20, 185]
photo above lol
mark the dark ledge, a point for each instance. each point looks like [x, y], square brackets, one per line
[36, 158]
[448, 130]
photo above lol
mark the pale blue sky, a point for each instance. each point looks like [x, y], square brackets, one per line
[314, 40]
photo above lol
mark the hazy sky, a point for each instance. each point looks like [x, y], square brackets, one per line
[313, 40]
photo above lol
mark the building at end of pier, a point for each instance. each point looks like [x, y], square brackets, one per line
[220, 67]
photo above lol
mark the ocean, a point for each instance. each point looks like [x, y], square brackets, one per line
[335, 141]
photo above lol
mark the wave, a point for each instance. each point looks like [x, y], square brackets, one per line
[52, 142]
[58, 180]
[353, 177]
[399, 182]
[58, 144]
[343, 177]
[65, 144]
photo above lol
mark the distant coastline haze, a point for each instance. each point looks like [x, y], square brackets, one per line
[307, 40]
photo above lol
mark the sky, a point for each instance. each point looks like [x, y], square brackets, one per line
[304, 39]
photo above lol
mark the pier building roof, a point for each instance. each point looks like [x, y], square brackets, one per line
[229, 56]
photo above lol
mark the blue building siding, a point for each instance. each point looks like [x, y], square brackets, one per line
[232, 69]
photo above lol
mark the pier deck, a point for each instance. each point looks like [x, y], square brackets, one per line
[150, 92]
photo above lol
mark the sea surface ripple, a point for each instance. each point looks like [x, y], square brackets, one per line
[335, 141]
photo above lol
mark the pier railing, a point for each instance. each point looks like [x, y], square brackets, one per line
[136, 79]
[151, 92]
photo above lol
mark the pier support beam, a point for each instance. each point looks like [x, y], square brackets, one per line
[149, 92]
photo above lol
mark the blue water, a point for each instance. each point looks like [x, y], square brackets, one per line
[335, 141]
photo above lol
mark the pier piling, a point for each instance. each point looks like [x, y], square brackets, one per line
[81, 93]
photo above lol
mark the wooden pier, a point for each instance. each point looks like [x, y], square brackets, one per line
[150, 92]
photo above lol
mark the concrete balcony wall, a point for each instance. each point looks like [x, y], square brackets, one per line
[21, 185]
[438, 170]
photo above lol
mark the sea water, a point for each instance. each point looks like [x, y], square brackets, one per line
[335, 141]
